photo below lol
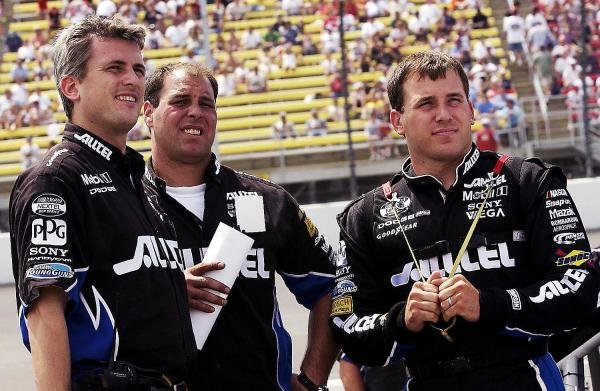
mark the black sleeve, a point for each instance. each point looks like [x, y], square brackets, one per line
[565, 292]
[47, 237]
[360, 308]
[307, 266]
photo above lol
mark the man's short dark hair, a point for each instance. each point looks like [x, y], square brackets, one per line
[72, 47]
[156, 81]
[432, 64]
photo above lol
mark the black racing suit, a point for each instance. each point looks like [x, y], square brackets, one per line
[248, 347]
[527, 258]
[80, 221]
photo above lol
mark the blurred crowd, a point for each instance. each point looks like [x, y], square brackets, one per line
[382, 28]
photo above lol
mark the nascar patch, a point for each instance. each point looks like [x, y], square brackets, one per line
[341, 306]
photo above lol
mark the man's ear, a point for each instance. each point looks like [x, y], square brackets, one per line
[396, 120]
[148, 109]
[69, 86]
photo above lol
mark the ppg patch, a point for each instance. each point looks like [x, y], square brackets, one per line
[341, 306]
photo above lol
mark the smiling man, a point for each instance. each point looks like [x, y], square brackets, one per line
[248, 347]
[100, 290]
[466, 261]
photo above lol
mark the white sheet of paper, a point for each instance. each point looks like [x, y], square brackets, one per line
[250, 213]
[230, 247]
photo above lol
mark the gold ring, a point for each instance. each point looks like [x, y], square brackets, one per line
[449, 301]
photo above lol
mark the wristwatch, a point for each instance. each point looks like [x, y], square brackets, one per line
[308, 384]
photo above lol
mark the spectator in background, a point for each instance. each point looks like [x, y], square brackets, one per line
[292, 7]
[513, 26]
[372, 133]
[250, 39]
[106, 8]
[233, 43]
[430, 14]
[12, 118]
[479, 20]
[371, 27]
[288, 58]
[308, 47]
[335, 86]
[30, 153]
[236, 10]
[76, 10]
[485, 138]
[54, 19]
[448, 21]
[13, 41]
[176, 33]
[329, 64]
[484, 106]
[26, 52]
[19, 73]
[417, 27]
[314, 125]
[256, 81]
[42, 8]
[539, 35]
[19, 93]
[154, 39]
[282, 128]
[542, 61]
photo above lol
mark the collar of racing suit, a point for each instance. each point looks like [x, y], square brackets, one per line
[214, 169]
[464, 167]
[131, 161]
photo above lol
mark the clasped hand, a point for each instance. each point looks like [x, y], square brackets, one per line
[441, 297]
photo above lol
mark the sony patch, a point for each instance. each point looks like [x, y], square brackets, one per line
[49, 205]
[341, 306]
[515, 299]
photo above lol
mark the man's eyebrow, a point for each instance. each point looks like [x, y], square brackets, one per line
[454, 95]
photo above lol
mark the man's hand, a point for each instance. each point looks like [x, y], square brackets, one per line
[296, 386]
[458, 297]
[423, 304]
[199, 287]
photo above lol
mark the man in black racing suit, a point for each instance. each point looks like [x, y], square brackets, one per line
[100, 286]
[525, 272]
[248, 347]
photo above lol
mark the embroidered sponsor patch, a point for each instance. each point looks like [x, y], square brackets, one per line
[575, 258]
[344, 287]
[49, 270]
[568, 237]
[49, 232]
[401, 204]
[515, 299]
[341, 306]
[49, 205]
[310, 227]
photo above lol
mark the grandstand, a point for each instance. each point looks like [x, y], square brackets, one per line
[245, 135]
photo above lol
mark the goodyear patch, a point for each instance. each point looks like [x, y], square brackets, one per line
[341, 306]
[574, 258]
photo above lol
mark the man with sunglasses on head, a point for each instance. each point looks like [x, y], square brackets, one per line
[466, 261]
